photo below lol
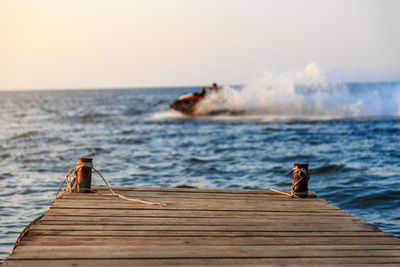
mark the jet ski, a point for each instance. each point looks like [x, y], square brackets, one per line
[186, 104]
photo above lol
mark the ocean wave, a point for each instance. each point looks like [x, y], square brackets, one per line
[133, 111]
[201, 159]
[91, 117]
[4, 156]
[6, 175]
[383, 199]
[24, 136]
[127, 132]
[328, 169]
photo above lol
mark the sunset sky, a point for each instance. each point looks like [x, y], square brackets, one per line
[61, 44]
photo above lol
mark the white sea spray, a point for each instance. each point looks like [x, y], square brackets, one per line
[304, 94]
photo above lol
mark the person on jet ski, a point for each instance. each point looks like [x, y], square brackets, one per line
[214, 87]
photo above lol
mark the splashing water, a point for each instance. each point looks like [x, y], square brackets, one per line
[305, 94]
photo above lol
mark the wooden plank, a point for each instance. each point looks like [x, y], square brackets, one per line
[66, 220]
[208, 228]
[191, 199]
[201, 201]
[215, 241]
[202, 205]
[168, 252]
[140, 216]
[205, 233]
[208, 207]
[189, 213]
[61, 226]
[203, 249]
[325, 261]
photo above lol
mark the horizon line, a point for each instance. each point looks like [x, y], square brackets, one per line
[164, 87]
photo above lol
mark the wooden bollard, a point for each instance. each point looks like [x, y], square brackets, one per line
[300, 180]
[84, 175]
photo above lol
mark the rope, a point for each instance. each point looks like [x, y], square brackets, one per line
[303, 174]
[284, 193]
[72, 186]
[124, 197]
[84, 164]
[25, 231]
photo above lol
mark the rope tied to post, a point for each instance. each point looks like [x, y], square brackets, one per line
[304, 175]
[301, 177]
[71, 180]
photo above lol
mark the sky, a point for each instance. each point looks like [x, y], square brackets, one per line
[74, 44]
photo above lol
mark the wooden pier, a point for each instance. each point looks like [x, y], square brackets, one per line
[201, 227]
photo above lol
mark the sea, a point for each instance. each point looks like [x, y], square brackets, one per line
[348, 133]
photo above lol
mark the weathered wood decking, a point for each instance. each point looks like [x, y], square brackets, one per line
[201, 227]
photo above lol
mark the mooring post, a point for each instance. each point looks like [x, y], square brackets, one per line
[301, 177]
[84, 175]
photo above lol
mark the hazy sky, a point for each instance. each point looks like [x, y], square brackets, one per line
[95, 44]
